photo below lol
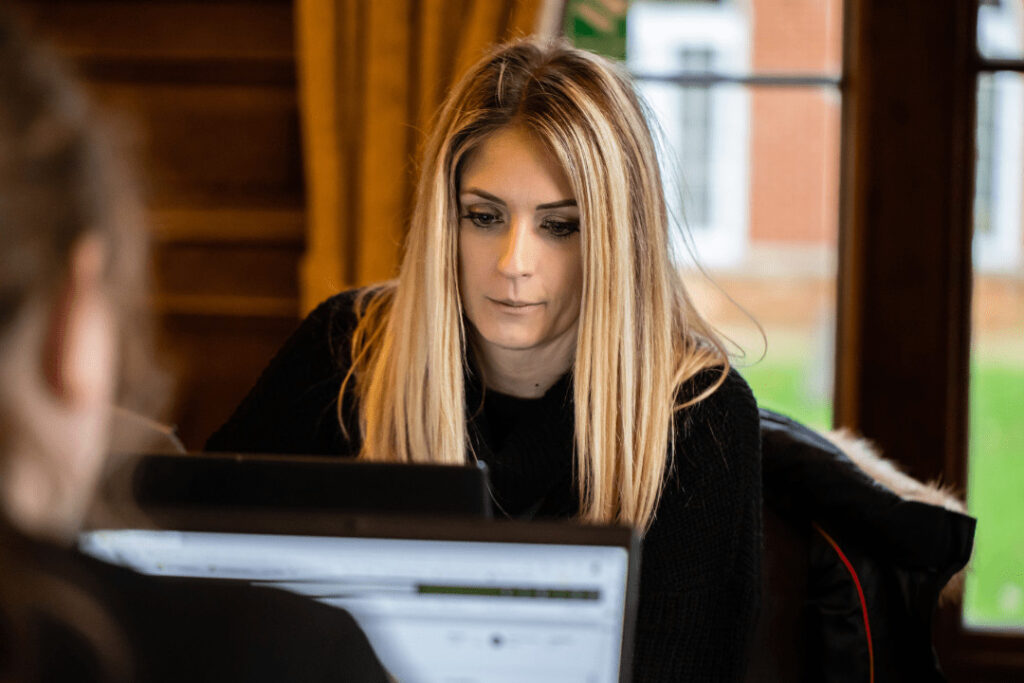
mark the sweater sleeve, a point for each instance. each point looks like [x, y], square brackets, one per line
[293, 407]
[700, 575]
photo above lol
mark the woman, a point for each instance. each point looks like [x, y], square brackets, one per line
[71, 255]
[538, 324]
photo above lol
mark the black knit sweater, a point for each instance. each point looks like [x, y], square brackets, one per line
[700, 569]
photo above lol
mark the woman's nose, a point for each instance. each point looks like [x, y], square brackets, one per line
[518, 250]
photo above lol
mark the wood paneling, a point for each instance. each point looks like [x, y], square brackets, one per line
[216, 145]
[209, 88]
[230, 225]
[131, 30]
[215, 358]
[199, 269]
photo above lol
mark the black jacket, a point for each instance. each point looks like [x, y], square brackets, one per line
[853, 571]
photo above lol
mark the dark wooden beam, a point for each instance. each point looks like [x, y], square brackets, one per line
[904, 294]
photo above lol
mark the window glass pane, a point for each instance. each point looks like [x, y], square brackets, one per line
[995, 588]
[1000, 29]
[752, 173]
[769, 246]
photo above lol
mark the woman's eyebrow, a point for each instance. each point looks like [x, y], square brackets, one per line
[486, 195]
[498, 200]
[557, 205]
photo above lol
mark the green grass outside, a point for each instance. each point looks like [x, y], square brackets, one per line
[780, 385]
[995, 495]
[995, 586]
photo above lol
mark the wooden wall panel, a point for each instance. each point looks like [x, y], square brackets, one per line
[216, 358]
[135, 30]
[202, 270]
[216, 145]
[210, 89]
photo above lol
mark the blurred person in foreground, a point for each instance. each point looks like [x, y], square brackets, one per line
[72, 274]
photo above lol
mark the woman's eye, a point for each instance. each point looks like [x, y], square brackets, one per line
[482, 219]
[560, 228]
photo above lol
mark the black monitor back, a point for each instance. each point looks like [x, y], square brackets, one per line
[238, 481]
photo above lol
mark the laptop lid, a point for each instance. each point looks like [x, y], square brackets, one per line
[452, 599]
[216, 480]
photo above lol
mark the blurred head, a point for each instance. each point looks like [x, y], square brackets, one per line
[71, 260]
[539, 185]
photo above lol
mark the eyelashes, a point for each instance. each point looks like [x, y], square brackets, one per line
[556, 227]
[560, 228]
[482, 219]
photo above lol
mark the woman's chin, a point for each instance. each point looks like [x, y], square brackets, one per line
[517, 336]
[511, 343]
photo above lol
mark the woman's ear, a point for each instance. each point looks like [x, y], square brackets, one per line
[79, 337]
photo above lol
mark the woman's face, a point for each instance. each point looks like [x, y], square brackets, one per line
[520, 266]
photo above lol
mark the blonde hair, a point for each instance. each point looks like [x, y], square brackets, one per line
[639, 337]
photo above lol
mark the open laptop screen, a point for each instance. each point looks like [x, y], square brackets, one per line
[478, 601]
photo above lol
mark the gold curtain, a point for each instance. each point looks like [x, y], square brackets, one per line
[372, 74]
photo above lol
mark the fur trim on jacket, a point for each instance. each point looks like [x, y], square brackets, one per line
[857, 555]
[869, 459]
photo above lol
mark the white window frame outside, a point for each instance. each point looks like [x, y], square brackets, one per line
[656, 34]
[999, 32]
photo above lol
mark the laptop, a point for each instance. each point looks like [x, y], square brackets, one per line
[442, 599]
[154, 482]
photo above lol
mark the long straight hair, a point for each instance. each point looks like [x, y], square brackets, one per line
[639, 336]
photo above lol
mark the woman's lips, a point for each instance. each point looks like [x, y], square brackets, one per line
[514, 305]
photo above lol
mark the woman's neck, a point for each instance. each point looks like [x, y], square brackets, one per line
[525, 373]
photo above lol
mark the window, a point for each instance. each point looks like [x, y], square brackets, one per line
[696, 130]
[1000, 147]
[904, 336]
[705, 127]
[995, 589]
[746, 98]
[985, 161]
[909, 358]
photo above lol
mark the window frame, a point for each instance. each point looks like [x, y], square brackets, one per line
[903, 343]
[720, 235]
